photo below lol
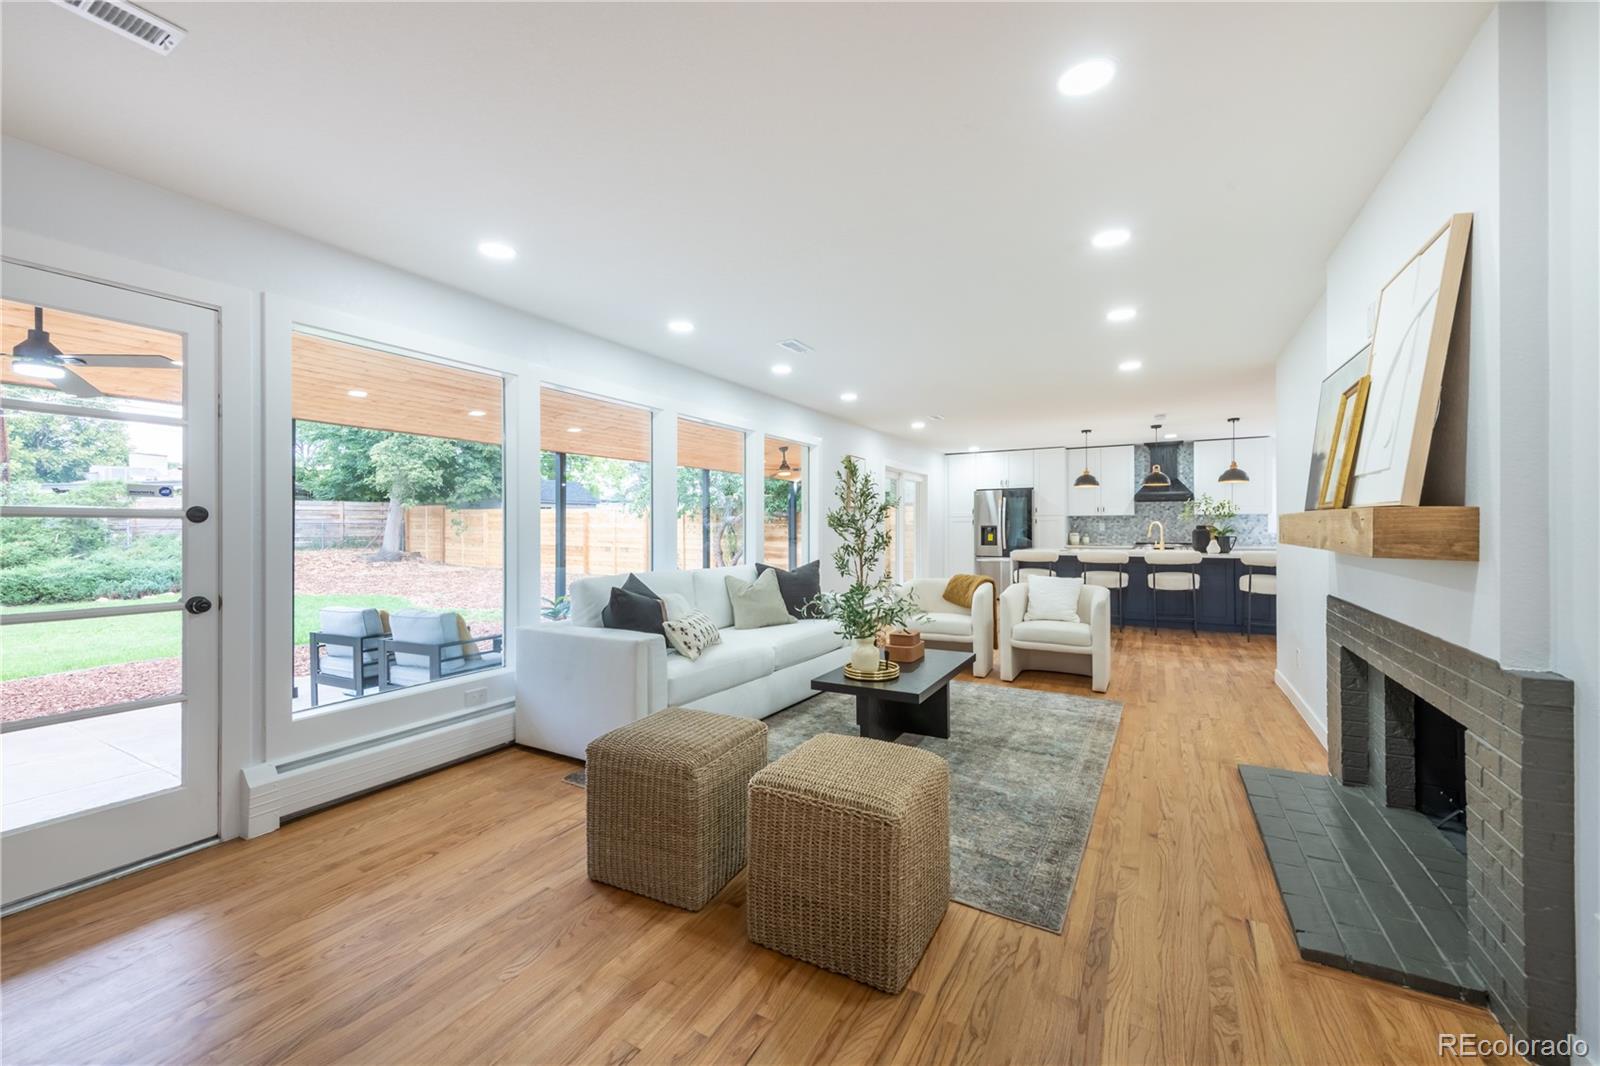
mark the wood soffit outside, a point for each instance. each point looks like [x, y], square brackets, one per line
[403, 395]
[77, 334]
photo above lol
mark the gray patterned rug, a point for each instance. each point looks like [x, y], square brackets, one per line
[1025, 774]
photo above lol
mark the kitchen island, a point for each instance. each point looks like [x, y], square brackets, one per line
[1220, 604]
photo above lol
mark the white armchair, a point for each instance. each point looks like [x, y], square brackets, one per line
[1082, 647]
[949, 623]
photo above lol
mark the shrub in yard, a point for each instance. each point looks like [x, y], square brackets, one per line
[149, 566]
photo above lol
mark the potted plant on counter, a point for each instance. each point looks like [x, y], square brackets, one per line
[869, 604]
[1216, 517]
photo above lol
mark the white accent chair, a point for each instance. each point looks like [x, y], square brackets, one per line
[1174, 570]
[1254, 584]
[1081, 647]
[949, 623]
[1108, 569]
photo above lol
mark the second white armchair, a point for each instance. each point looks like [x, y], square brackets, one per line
[1081, 647]
[952, 624]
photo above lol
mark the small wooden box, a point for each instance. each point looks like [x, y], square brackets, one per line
[902, 645]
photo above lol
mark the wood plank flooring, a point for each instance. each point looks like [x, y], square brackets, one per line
[449, 920]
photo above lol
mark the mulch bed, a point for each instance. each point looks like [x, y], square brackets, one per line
[30, 697]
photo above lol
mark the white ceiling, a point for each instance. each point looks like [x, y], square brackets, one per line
[898, 185]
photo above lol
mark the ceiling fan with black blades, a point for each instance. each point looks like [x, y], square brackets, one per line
[36, 357]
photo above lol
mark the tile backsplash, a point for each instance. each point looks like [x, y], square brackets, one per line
[1249, 530]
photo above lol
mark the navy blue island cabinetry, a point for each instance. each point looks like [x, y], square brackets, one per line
[1219, 604]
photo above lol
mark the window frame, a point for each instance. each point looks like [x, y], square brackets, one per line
[746, 435]
[894, 477]
[800, 537]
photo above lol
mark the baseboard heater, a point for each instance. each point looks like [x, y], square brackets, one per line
[275, 791]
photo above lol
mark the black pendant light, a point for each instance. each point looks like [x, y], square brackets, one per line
[1233, 475]
[1086, 480]
[784, 469]
[1156, 479]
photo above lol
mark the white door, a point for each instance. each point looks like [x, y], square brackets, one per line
[108, 534]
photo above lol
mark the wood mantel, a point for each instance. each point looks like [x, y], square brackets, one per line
[1449, 533]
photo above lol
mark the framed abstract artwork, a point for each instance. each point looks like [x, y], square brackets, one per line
[1347, 420]
[1410, 340]
[1334, 388]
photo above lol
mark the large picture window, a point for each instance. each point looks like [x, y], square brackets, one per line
[710, 495]
[399, 523]
[783, 524]
[594, 491]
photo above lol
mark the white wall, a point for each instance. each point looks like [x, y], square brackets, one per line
[1512, 138]
[66, 200]
[1573, 86]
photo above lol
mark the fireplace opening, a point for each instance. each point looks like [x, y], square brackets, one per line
[1441, 766]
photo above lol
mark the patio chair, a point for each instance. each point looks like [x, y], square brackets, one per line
[345, 634]
[425, 646]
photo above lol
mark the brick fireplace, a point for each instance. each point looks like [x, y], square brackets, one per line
[1395, 696]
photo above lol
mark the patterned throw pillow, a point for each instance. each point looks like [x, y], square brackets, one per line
[692, 634]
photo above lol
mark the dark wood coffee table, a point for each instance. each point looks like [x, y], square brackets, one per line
[918, 701]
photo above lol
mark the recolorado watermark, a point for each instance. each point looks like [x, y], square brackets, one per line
[1473, 1046]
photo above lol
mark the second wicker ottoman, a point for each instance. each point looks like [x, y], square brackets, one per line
[850, 856]
[666, 803]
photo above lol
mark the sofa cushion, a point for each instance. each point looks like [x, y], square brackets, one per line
[791, 644]
[757, 604]
[635, 611]
[711, 591]
[630, 584]
[440, 628]
[1053, 599]
[799, 586]
[947, 623]
[721, 666]
[1069, 634]
[692, 634]
[350, 622]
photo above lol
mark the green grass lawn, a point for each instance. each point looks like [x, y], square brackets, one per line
[54, 647]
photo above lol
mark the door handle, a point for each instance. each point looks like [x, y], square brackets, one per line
[197, 605]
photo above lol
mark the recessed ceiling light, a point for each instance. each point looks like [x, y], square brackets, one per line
[1129, 364]
[848, 397]
[497, 250]
[782, 369]
[681, 325]
[476, 413]
[1110, 238]
[1170, 436]
[356, 394]
[919, 424]
[574, 429]
[1087, 77]
[972, 447]
[1122, 314]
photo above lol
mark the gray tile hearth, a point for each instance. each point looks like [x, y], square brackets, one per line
[1368, 889]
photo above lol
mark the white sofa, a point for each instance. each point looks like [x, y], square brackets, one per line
[1082, 647]
[577, 680]
[951, 624]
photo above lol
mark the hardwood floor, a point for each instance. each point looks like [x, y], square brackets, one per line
[449, 920]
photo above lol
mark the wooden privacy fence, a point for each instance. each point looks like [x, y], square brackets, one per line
[458, 538]
[338, 523]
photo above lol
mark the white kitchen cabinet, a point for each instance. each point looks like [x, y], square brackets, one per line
[960, 481]
[1050, 531]
[1050, 478]
[959, 549]
[1256, 454]
[1114, 469]
[989, 470]
[1019, 470]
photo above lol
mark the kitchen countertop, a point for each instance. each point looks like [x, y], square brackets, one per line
[1139, 552]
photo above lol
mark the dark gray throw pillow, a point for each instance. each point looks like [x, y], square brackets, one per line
[798, 586]
[633, 606]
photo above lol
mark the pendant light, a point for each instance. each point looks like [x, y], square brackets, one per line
[784, 469]
[1155, 479]
[1233, 475]
[1086, 480]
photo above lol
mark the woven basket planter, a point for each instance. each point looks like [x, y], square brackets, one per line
[850, 856]
[667, 803]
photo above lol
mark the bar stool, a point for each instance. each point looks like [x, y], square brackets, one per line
[1033, 559]
[1174, 580]
[1115, 579]
[1254, 584]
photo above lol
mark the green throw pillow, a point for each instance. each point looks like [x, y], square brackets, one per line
[758, 604]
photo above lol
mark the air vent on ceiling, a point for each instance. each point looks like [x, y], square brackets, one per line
[131, 21]
[796, 345]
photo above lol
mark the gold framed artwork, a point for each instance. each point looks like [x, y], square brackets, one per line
[1410, 339]
[1334, 386]
[1347, 423]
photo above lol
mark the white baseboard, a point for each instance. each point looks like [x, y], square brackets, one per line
[1319, 725]
[274, 791]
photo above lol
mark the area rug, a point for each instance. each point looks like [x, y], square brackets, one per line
[1026, 769]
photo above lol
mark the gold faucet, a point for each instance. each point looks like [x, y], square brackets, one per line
[1161, 543]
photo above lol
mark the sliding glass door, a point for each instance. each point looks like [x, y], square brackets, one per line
[108, 579]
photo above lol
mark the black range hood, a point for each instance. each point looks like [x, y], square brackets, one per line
[1165, 455]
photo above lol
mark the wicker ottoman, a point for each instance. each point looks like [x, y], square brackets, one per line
[666, 801]
[850, 856]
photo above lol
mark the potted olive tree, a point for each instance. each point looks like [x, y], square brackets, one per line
[870, 603]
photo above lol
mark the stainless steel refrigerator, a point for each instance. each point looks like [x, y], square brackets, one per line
[1002, 521]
